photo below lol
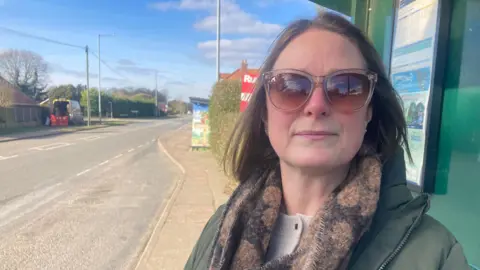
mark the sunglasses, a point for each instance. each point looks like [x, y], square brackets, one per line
[345, 90]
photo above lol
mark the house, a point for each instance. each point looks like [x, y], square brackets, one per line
[18, 109]
[238, 73]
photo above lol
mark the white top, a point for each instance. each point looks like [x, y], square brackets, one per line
[286, 235]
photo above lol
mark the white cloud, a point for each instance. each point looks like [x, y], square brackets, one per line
[234, 20]
[232, 52]
[238, 22]
[267, 3]
[243, 44]
[206, 5]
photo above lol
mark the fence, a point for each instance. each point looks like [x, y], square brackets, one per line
[20, 115]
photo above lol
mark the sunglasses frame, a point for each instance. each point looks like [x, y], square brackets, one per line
[316, 81]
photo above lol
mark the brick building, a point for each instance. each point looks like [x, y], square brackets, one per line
[238, 73]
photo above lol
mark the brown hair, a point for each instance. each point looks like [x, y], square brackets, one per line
[249, 148]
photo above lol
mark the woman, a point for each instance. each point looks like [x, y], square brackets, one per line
[321, 171]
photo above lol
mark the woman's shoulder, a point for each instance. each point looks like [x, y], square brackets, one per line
[429, 227]
[431, 246]
[199, 258]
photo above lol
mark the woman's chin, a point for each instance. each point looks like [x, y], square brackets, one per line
[309, 159]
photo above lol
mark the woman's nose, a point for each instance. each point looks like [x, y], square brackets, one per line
[317, 104]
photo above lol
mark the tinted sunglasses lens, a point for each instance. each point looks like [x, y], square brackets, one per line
[349, 91]
[288, 91]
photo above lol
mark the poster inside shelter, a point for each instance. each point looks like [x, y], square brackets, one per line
[200, 126]
[411, 69]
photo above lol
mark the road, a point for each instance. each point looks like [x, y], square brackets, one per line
[86, 200]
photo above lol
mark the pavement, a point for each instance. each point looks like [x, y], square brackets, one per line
[197, 195]
[85, 200]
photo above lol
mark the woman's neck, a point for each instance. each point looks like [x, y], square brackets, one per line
[305, 193]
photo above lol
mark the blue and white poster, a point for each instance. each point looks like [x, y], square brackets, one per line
[411, 70]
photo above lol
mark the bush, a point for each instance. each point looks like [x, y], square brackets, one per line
[122, 106]
[223, 112]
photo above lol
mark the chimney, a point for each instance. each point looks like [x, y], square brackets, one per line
[244, 67]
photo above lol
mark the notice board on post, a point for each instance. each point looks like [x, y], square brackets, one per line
[200, 124]
[416, 71]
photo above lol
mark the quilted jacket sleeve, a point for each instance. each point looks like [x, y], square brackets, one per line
[456, 259]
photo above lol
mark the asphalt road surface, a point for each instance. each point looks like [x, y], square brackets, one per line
[86, 200]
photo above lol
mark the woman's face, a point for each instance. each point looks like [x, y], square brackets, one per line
[315, 135]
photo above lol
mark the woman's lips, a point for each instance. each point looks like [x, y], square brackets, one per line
[315, 135]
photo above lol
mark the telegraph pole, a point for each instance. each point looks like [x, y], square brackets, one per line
[88, 88]
[99, 83]
[218, 40]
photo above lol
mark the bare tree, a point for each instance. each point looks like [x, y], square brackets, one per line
[26, 70]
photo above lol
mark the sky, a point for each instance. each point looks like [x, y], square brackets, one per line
[175, 38]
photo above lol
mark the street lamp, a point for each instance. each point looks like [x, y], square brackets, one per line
[218, 40]
[156, 93]
[100, 76]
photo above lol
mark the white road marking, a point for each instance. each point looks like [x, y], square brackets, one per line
[50, 146]
[140, 146]
[182, 169]
[84, 172]
[118, 156]
[35, 199]
[5, 158]
[91, 138]
[153, 140]
[131, 150]
[103, 163]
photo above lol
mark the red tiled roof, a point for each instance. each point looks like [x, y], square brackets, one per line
[224, 75]
[238, 74]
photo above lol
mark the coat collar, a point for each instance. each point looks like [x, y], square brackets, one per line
[398, 212]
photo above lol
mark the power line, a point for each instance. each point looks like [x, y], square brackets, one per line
[19, 33]
[111, 69]
[27, 35]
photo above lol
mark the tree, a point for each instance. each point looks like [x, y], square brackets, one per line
[93, 93]
[177, 106]
[67, 91]
[61, 91]
[25, 70]
[77, 91]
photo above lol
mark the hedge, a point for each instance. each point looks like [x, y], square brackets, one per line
[122, 106]
[223, 112]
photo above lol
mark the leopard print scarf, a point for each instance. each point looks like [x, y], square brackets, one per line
[248, 220]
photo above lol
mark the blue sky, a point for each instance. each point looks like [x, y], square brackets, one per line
[177, 38]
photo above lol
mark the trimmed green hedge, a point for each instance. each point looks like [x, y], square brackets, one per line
[223, 112]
